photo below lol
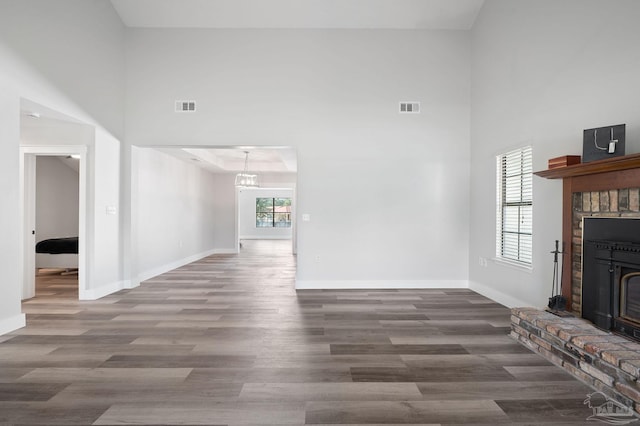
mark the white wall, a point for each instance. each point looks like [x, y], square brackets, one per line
[77, 47]
[106, 211]
[401, 181]
[278, 179]
[225, 214]
[57, 199]
[10, 259]
[175, 212]
[542, 71]
[67, 55]
[247, 214]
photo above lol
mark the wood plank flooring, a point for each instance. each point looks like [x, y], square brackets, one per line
[228, 341]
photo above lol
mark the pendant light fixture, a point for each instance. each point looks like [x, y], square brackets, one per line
[246, 179]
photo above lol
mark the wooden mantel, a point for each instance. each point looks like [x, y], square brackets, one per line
[594, 167]
[602, 175]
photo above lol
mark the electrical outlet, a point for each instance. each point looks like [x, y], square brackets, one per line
[317, 258]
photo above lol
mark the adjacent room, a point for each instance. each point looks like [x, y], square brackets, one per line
[320, 212]
[57, 210]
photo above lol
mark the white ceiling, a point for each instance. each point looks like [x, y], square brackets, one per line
[232, 159]
[329, 14]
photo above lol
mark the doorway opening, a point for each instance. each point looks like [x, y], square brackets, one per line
[54, 223]
[56, 226]
[181, 214]
[54, 197]
[276, 167]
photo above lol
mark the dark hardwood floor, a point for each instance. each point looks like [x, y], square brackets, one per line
[228, 341]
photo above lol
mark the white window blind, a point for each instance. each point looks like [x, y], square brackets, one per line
[515, 206]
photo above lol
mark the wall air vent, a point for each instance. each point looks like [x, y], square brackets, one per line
[409, 108]
[185, 106]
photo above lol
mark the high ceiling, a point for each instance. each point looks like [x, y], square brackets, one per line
[287, 14]
[275, 14]
[329, 14]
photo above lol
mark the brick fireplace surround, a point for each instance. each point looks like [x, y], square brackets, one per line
[608, 362]
[611, 203]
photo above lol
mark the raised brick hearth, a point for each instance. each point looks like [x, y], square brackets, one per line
[603, 360]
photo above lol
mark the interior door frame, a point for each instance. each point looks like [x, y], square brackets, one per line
[28, 154]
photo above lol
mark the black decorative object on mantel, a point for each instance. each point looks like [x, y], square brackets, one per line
[557, 302]
[603, 142]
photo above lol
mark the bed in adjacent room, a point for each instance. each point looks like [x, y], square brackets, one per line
[57, 253]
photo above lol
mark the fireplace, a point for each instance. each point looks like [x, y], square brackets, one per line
[601, 232]
[611, 274]
[630, 296]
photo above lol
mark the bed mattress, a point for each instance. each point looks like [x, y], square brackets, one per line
[67, 245]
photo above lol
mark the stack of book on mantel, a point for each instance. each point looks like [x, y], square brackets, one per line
[564, 161]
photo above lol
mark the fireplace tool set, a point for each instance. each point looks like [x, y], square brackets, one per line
[557, 302]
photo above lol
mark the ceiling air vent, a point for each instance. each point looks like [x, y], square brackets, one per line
[185, 106]
[409, 107]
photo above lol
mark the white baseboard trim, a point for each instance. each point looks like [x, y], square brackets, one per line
[128, 284]
[225, 251]
[503, 299]
[378, 284]
[265, 237]
[8, 325]
[173, 265]
[102, 291]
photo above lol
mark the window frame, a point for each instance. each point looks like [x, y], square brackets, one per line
[514, 196]
[272, 213]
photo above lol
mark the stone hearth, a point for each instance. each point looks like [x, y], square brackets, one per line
[605, 361]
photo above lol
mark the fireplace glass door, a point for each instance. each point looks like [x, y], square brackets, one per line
[630, 297]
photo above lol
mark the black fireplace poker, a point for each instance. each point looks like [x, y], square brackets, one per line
[557, 301]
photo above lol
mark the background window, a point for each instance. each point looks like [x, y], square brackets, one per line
[515, 206]
[273, 212]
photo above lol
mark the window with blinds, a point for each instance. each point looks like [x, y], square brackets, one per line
[515, 206]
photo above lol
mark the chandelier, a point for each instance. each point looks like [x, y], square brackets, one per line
[246, 179]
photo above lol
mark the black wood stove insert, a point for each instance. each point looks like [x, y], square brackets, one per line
[611, 274]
